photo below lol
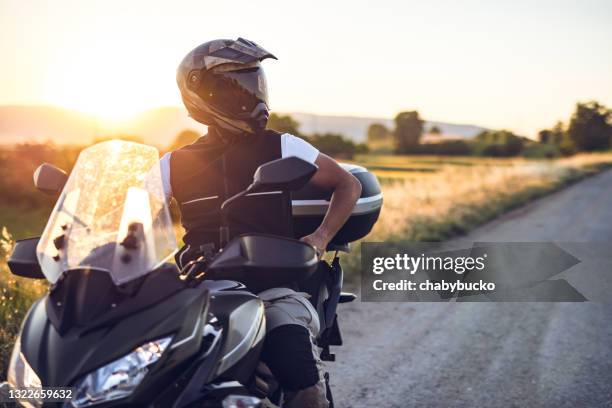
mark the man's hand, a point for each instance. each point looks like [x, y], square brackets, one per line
[318, 241]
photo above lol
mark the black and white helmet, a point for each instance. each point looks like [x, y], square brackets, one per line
[222, 83]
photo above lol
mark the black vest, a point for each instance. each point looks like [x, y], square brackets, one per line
[210, 170]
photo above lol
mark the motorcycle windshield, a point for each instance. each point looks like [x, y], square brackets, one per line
[111, 215]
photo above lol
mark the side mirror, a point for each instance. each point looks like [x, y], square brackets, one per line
[49, 179]
[289, 173]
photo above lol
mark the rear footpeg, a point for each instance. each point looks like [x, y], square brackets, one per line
[326, 355]
[347, 297]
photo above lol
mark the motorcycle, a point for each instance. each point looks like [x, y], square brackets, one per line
[121, 325]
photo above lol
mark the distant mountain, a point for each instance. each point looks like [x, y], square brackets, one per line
[160, 126]
[356, 127]
[23, 123]
[64, 126]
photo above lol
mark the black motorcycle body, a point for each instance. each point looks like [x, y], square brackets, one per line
[208, 310]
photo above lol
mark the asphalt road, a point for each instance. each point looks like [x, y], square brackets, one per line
[492, 354]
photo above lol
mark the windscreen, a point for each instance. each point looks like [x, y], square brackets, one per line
[111, 215]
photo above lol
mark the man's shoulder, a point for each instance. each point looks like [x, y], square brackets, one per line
[296, 146]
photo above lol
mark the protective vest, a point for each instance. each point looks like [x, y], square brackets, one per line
[210, 170]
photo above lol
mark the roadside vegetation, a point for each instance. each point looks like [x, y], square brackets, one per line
[16, 296]
[428, 198]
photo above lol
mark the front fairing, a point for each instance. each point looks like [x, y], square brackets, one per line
[62, 359]
[191, 368]
[86, 298]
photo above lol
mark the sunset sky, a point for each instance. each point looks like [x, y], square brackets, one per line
[520, 65]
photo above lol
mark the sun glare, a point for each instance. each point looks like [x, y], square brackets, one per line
[112, 103]
[106, 82]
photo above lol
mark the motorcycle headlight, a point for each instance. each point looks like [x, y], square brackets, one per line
[119, 378]
[20, 374]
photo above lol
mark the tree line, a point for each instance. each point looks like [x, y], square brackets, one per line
[588, 129]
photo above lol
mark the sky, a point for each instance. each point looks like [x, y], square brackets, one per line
[518, 65]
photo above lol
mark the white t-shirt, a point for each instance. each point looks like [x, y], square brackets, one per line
[290, 146]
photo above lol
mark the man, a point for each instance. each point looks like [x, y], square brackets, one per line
[223, 86]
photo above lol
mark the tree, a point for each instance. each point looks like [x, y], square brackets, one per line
[377, 132]
[590, 127]
[558, 134]
[284, 124]
[336, 145]
[435, 130]
[545, 136]
[501, 143]
[184, 138]
[408, 131]
[558, 137]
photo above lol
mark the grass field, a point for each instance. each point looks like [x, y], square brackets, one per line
[426, 198]
[432, 198]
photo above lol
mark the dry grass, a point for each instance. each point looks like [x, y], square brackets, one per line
[463, 193]
[456, 194]
[16, 296]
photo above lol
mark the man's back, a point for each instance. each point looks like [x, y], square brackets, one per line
[204, 174]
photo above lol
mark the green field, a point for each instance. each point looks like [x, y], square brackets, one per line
[426, 198]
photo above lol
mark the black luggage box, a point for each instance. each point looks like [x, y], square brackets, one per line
[310, 204]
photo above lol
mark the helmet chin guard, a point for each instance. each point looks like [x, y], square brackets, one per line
[260, 116]
[222, 83]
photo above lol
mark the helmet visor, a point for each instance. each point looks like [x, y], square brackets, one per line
[234, 92]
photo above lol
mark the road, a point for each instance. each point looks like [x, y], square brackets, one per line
[491, 354]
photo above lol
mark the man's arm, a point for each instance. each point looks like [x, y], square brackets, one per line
[346, 191]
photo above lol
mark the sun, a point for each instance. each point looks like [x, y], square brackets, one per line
[111, 103]
[111, 112]
[107, 83]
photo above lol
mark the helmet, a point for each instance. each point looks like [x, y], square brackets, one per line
[222, 83]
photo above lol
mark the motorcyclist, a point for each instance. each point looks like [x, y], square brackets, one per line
[223, 86]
